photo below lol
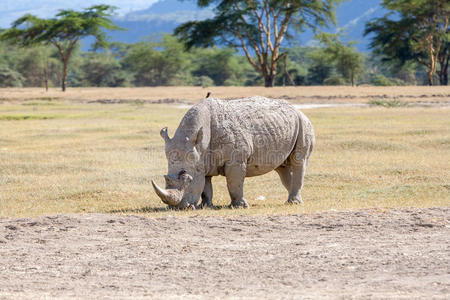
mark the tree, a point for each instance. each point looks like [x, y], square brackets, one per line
[320, 68]
[257, 27]
[102, 69]
[414, 30]
[220, 65]
[156, 63]
[347, 60]
[10, 77]
[64, 31]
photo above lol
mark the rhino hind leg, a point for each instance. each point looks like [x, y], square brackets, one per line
[292, 179]
[285, 174]
[298, 174]
[235, 175]
[207, 193]
[298, 160]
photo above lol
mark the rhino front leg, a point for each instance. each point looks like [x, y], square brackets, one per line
[207, 193]
[235, 174]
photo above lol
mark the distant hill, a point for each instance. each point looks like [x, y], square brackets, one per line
[165, 15]
[162, 17]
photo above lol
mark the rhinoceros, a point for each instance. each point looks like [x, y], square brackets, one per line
[237, 139]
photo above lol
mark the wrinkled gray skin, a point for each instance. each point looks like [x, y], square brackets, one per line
[237, 139]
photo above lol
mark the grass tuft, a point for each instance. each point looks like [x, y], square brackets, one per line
[27, 117]
[40, 103]
[388, 103]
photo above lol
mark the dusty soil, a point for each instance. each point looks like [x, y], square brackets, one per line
[361, 254]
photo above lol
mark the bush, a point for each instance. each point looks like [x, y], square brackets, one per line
[388, 103]
[10, 78]
[381, 80]
[335, 80]
[231, 82]
[204, 81]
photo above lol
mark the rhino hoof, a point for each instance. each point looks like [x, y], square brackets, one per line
[296, 200]
[240, 204]
[190, 207]
[206, 205]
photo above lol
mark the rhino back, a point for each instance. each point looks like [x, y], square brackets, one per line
[259, 131]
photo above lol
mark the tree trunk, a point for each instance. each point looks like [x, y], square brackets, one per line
[443, 72]
[269, 80]
[64, 76]
[46, 76]
[430, 77]
[445, 81]
[286, 73]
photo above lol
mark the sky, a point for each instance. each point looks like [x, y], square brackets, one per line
[11, 10]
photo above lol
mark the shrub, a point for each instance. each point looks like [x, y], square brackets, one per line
[204, 81]
[334, 80]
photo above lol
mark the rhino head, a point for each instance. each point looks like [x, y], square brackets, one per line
[185, 180]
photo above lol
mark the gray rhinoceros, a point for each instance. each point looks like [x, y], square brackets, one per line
[237, 139]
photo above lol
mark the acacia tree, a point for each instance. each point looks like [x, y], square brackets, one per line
[258, 27]
[415, 30]
[64, 31]
[347, 60]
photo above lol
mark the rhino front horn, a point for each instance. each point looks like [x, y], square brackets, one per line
[171, 197]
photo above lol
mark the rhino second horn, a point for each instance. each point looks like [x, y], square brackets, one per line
[164, 134]
[170, 197]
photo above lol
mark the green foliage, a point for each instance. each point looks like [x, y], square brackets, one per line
[156, 63]
[347, 60]
[294, 72]
[258, 28]
[221, 65]
[414, 30]
[320, 68]
[381, 80]
[335, 80]
[27, 117]
[388, 103]
[409, 73]
[102, 69]
[204, 81]
[64, 31]
[10, 78]
[68, 26]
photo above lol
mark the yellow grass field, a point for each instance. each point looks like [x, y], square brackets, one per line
[61, 154]
[305, 94]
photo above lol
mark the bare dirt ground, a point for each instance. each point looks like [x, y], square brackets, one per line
[357, 254]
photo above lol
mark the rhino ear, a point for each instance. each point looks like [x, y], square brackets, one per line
[164, 134]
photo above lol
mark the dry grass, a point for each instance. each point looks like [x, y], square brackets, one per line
[305, 94]
[68, 157]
